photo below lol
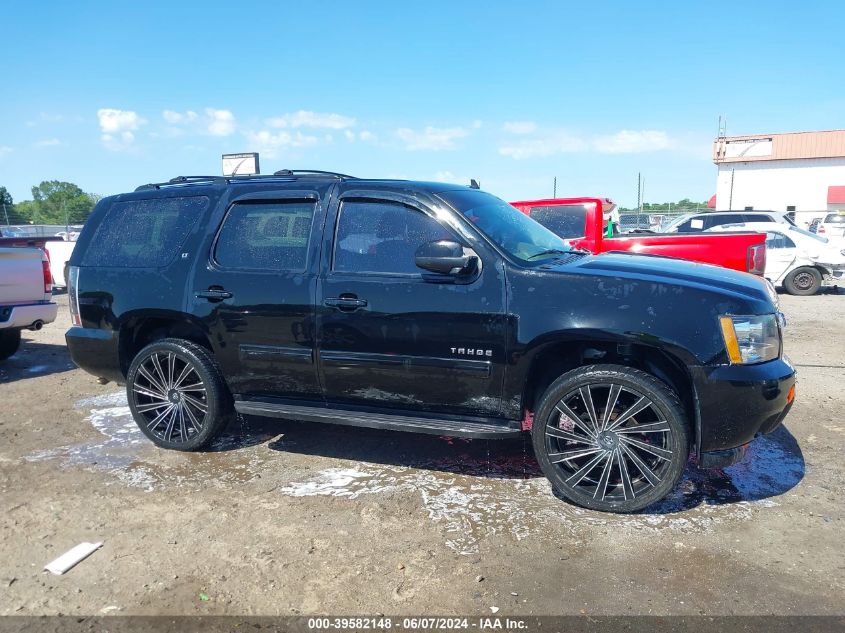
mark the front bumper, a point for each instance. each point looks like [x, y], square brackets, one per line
[23, 316]
[737, 403]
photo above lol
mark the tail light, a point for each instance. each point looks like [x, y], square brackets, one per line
[757, 259]
[48, 276]
[73, 294]
[821, 229]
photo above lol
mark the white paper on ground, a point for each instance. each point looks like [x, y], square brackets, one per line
[71, 557]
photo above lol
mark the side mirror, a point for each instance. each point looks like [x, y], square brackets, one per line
[445, 257]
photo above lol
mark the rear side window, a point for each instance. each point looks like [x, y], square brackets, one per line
[144, 233]
[564, 221]
[382, 237]
[265, 236]
[778, 240]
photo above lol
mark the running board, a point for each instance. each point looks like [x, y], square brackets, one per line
[451, 428]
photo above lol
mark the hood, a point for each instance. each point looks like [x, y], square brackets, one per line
[675, 272]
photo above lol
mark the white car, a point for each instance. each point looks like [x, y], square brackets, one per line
[706, 220]
[832, 225]
[799, 261]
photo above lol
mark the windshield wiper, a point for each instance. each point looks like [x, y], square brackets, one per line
[549, 251]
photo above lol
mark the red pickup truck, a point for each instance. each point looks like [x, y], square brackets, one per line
[582, 222]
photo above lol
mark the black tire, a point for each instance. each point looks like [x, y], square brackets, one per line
[804, 281]
[177, 395]
[611, 474]
[10, 342]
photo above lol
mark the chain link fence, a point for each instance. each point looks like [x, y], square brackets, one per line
[38, 230]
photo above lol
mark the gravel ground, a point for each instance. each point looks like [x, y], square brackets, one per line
[288, 518]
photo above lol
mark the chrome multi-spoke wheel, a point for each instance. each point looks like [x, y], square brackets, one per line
[176, 394]
[611, 438]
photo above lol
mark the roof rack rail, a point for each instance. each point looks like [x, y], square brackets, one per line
[224, 180]
[311, 172]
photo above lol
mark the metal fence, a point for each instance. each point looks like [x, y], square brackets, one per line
[37, 230]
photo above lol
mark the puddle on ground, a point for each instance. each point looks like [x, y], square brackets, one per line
[473, 489]
[126, 454]
[475, 499]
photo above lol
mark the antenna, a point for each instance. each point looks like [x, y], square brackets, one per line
[473, 184]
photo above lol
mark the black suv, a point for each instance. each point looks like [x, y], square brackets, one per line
[422, 307]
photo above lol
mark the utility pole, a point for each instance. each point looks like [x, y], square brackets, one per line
[554, 188]
[6, 213]
[639, 196]
[731, 197]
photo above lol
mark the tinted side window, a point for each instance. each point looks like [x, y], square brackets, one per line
[778, 240]
[721, 220]
[693, 225]
[144, 233]
[265, 236]
[382, 237]
[564, 221]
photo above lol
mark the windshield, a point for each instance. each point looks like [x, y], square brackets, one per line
[515, 233]
[819, 238]
[670, 226]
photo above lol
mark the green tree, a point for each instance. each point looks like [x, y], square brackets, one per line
[5, 197]
[57, 202]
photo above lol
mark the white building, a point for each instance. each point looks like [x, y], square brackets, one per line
[802, 172]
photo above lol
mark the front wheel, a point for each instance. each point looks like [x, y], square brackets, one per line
[611, 438]
[804, 281]
[177, 395]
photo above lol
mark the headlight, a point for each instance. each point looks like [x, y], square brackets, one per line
[751, 339]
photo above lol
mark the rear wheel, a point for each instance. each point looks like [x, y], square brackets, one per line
[177, 395]
[10, 342]
[611, 438]
[804, 281]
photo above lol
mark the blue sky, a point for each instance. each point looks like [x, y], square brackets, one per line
[111, 95]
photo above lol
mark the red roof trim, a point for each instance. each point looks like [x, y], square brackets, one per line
[836, 194]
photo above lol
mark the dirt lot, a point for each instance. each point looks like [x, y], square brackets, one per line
[296, 518]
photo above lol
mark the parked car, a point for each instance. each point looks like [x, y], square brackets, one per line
[832, 226]
[699, 222]
[25, 295]
[797, 260]
[814, 225]
[56, 248]
[583, 223]
[422, 307]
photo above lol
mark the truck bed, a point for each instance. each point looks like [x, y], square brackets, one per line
[743, 251]
[21, 276]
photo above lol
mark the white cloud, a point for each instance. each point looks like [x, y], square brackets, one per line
[520, 127]
[633, 142]
[5, 149]
[349, 134]
[431, 138]
[269, 144]
[367, 136]
[220, 122]
[113, 121]
[47, 142]
[551, 142]
[556, 143]
[308, 119]
[118, 126]
[177, 118]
